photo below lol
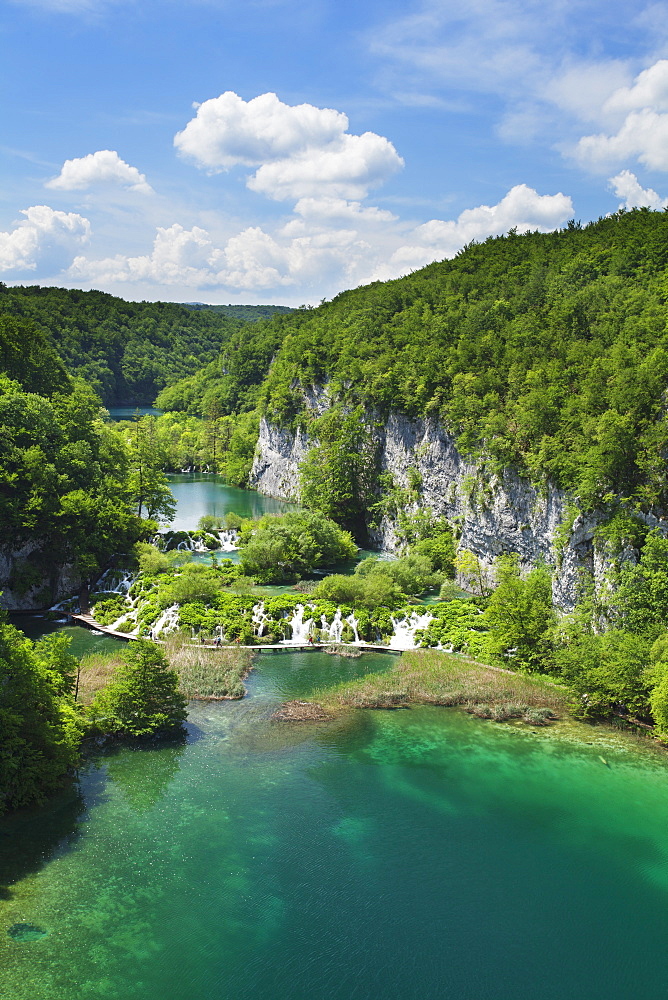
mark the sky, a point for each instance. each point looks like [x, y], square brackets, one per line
[280, 151]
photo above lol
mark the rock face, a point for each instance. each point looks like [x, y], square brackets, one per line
[493, 514]
[31, 581]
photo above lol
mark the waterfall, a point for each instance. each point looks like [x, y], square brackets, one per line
[228, 539]
[353, 622]
[115, 581]
[300, 628]
[167, 622]
[260, 619]
[404, 630]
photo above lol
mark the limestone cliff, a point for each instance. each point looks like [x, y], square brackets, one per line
[492, 514]
[30, 580]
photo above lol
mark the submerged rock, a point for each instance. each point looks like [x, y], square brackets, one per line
[26, 932]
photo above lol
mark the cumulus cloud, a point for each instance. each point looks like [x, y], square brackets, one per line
[649, 90]
[643, 136]
[641, 113]
[328, 244]
[43, 234]
[103, 167]
[300, 151]
[522, 208]
[626, 186]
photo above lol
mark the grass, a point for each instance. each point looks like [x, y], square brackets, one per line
[208, 673]
[95, 673]
[431, 677]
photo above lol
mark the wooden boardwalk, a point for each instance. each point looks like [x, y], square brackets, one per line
[87, 620]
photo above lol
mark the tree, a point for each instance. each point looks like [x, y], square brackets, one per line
[40, 729]
[472, 572]
[143, 699]
[148, 484]
[521, 615]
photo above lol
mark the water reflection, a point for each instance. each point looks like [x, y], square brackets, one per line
[143, 773]
[29, 839]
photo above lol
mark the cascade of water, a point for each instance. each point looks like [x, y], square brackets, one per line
[228, 540]
[167, 622]
[353, 622]
[260, 619]
[116, 581]
[404, 630]
[336, 628]
[300, 629]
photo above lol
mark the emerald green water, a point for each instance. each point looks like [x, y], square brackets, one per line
[198, 493]
[410, 854]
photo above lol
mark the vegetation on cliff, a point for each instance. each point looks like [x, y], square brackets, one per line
[547, 352]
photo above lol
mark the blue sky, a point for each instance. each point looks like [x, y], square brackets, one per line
[283, 150]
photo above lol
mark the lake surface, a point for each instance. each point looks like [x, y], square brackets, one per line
[198, 493]
[410, 854]
[130, 412]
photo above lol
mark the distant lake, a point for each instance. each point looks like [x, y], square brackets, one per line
[198, 493]
[130, 412]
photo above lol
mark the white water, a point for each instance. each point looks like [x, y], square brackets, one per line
[167, 622]
[300, 629]
[227, 538]
[260, 618]
[115, 581]
[404, 631]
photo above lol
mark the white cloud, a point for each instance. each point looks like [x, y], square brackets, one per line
[643, 136]
[626, 186]
[649, 90]
[180, 256]
[640, 113]
[328, 244]
[522, 209]
[300, 151]
[43, 234]
[228, 131]
[103, 167]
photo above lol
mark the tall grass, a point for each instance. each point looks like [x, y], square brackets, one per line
[431, 677]
[95, 672]
[208, 672]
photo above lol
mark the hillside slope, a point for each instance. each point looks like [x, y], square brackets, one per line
[127, 351]
[547, 353]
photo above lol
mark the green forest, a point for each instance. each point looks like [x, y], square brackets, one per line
[127, 351]
[544, 353]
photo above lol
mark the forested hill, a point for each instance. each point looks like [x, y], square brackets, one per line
[248, 314]
[127, 351]
[546, 351]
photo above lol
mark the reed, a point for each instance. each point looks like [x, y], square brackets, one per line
[95, 672]
[207, 673]
[431, 677]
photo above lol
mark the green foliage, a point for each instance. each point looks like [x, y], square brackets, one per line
[195, 582]
[248, 314]
[606, 671]
[546, 351]
[338, 475]
[287, 546]
[520, 615]
[127, 351]
[63, 477]
[40, 728]
[151, 559]
[640, 600]
[412, 574]
[143, 698]
[472, 572]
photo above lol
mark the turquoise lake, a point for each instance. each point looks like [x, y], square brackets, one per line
[409, 854]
